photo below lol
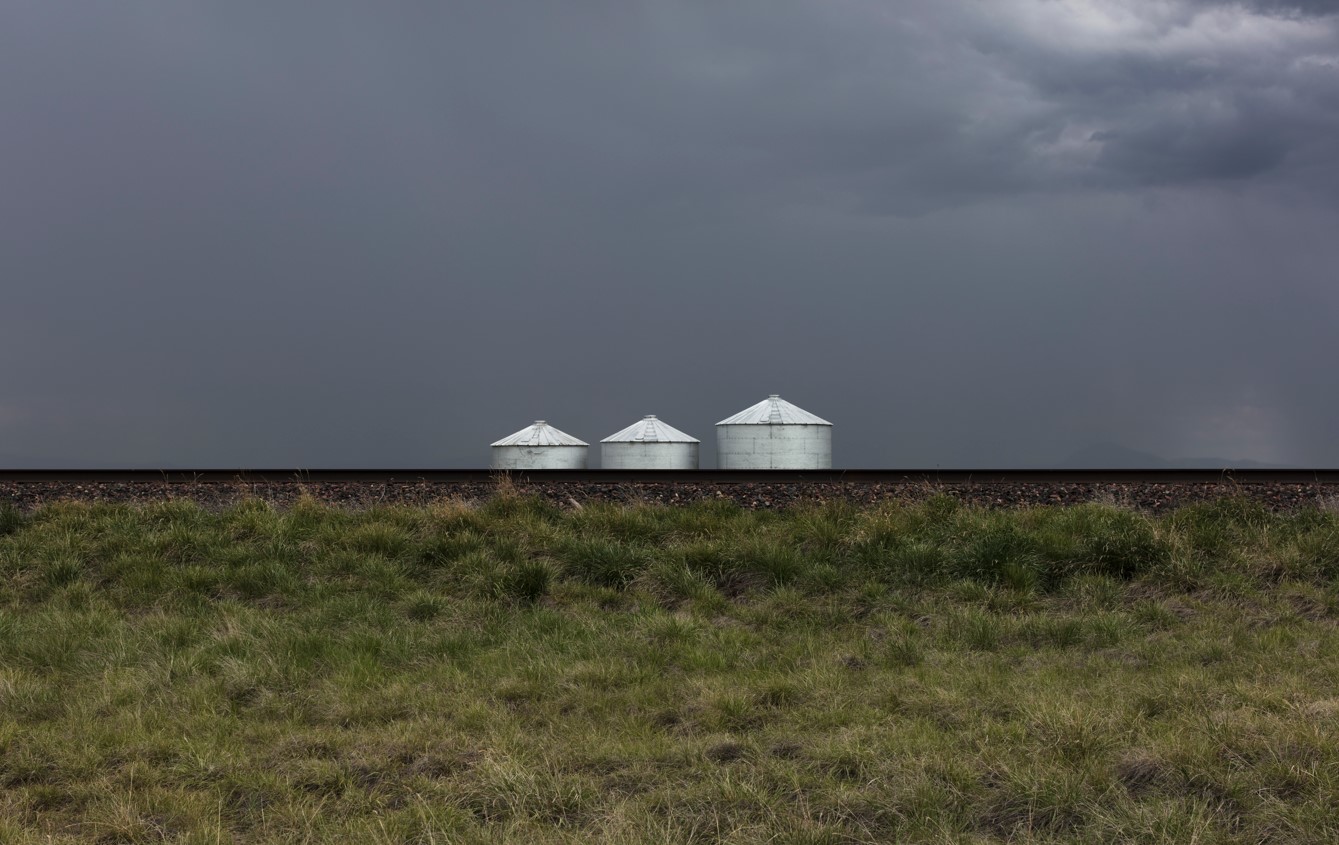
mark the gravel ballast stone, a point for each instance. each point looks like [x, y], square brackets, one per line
[1149, 497]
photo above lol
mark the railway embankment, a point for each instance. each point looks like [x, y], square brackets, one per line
[1153, 496]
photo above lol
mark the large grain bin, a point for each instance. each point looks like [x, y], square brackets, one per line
[649, 444]
[539, 446]
[774, 434]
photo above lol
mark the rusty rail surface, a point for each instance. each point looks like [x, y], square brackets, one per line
[706, 476]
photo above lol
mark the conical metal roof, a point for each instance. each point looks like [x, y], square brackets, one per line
[774, 411]
[540, 434]
[650, 430]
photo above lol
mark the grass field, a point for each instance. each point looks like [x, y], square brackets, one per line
[513, 672]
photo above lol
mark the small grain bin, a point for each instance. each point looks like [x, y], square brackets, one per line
[649, 444]
[539, 446]
[774, 434]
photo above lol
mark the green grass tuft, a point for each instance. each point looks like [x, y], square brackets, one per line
[528, 581]
[10, 520]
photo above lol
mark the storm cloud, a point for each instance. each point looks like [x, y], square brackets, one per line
[968, 233]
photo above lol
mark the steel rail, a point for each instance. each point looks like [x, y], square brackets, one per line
[707, 476]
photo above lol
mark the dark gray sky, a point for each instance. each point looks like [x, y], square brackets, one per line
[968, 232]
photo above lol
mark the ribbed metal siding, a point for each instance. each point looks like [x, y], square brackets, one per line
[752, 446]
[539, 457]
[625, 455]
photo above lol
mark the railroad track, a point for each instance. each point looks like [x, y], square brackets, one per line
[709, 476]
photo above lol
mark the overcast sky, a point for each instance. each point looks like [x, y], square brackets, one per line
[968, 232]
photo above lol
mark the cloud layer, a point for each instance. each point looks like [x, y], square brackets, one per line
[969, 233]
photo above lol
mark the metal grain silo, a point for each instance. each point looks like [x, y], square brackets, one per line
[774, 434]
[649, 444]
[539, 446]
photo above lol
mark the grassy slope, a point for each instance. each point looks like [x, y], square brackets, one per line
[515, 673]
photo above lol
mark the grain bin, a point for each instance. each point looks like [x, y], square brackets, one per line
[539, 446]
[649, 444]
[774, 434]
